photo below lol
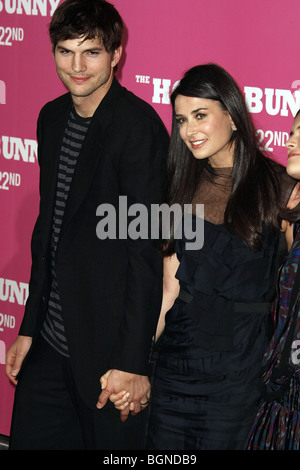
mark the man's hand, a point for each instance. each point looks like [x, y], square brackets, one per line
[129, 392]
[15, 357]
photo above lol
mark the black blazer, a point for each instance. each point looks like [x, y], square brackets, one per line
[110, 289]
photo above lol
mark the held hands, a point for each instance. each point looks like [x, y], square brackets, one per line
[129, 392]
[15, 357]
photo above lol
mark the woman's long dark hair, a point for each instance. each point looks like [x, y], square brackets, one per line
[255, 191]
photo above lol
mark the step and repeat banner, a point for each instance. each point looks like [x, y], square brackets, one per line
[256, 41]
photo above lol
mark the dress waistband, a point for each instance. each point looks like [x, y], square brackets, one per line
[242, 307]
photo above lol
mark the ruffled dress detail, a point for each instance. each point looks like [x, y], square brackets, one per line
[205, 390]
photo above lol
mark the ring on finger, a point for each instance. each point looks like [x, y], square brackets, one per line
[146, 403]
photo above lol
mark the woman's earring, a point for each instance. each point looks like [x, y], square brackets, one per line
[233, 127]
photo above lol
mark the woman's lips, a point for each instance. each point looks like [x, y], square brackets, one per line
[293, 154]
[195, 144]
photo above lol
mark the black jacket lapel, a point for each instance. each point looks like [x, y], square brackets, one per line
[51, 132]
[91, 152]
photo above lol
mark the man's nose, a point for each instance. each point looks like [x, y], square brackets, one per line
[78, 63]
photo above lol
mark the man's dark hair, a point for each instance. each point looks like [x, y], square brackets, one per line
[87, 19]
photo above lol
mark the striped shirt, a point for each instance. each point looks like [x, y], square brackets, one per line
[53, 328]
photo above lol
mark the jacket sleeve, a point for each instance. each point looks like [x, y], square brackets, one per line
[35, 302]
[142, 177]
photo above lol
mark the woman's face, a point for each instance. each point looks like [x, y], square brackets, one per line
[293, 146]
[206, 129]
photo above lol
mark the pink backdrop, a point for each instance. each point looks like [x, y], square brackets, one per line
[257, 42]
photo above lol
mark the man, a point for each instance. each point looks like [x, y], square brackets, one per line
[93, 303]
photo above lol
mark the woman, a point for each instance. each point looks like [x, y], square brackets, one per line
[213, 327]
[277, 424]
[204, 393]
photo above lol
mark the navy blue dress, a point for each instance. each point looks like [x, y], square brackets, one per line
[204, 393]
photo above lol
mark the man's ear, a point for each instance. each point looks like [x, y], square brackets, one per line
[116, 56]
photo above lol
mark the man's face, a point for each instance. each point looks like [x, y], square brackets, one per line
[86, 69]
